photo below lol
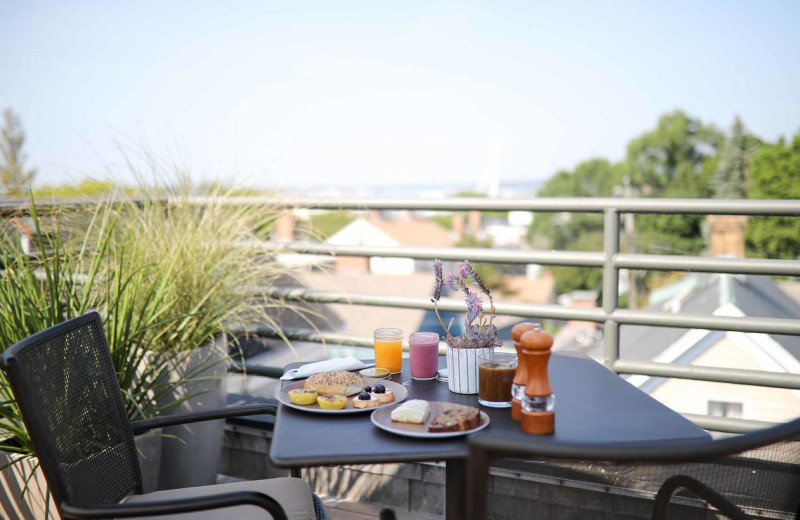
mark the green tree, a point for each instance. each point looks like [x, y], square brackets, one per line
[730, 177]
[674, 160]
[677, 147]
[15, 178]
[575, 231]
[85, 187]
[775, 174]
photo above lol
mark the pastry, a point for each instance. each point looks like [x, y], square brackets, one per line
[455, 420]
[303, 397]
[414, 412]
[365, 400]
[383, 394]
[332, 402]
[337, 382]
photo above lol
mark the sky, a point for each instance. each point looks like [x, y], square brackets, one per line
[348, 93]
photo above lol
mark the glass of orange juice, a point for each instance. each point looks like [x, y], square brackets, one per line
[389, 349]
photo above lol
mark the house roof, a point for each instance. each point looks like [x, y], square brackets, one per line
[706, 294]
[416, 233]
[400, 232]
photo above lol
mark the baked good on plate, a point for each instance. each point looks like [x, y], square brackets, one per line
[455, 420]
[303, 397]
[332, 402]
[414, 411]
[365, 400]
[337, 382]
[383, 394]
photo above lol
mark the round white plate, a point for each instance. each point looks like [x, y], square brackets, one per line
[382, 419]
[400, 393]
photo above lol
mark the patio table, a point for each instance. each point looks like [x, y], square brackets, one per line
[593, 406]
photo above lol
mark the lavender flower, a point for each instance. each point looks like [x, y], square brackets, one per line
[437, 274]
[473, 275]
[479, 329]
[474, 309]
[453, 281]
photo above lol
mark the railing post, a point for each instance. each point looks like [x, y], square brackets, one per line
[610, 284]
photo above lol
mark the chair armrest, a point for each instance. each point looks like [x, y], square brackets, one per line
[206, 415]
[672, 484]
[182, 505]
[239, 367]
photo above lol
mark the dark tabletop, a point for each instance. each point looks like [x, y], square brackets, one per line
[593, 406]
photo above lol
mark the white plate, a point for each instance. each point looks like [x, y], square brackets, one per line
[400, 393]
[382, 419]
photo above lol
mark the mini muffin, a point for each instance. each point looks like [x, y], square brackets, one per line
[332, 402]
[383, 394]
[365, 400]
[303, 397]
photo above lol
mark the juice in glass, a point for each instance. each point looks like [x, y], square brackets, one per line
[389, 349]
[423, 353]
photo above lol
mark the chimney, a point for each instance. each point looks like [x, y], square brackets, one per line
[727, 235]
[474, 222]
[458, 225]
[284, 228]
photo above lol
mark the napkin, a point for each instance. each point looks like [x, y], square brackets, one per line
[345, 363]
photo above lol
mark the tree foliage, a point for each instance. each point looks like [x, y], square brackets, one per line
[575, 231]
[87, 186]
[730, 177]
[775, 174]
[14, 177]
[674, 160]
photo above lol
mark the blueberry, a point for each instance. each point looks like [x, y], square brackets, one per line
[364, 396]
[368, 389]
[379, 389]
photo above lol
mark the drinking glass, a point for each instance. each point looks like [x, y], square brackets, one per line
[389, 349]
[423, 353]
[495, 376]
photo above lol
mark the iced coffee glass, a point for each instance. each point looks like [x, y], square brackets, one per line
[495, 376]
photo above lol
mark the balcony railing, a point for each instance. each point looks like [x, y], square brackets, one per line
[610, 260]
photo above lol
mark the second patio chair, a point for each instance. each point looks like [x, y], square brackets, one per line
[753, 474]
[66, 389]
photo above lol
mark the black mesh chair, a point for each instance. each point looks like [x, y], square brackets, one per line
[756, 475]
[67, 391]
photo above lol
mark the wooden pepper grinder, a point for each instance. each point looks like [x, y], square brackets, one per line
[521, 376]
[538, 402]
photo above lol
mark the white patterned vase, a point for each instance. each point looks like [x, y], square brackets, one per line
[462, 367]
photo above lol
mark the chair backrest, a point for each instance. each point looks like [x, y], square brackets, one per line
[66, 389]
[758, 471]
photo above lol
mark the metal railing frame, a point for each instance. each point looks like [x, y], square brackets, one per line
[610, 260]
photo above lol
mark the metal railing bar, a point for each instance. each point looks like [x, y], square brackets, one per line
[702, 373]
[691, 321]
[763, 266]
[611, 226]
[474, 254]
[764, 207]
[555, 312]
[709, 265]
[727, 424]
[308, 335]
[548, 311]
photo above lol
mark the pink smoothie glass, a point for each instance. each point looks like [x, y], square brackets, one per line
[423, 352]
